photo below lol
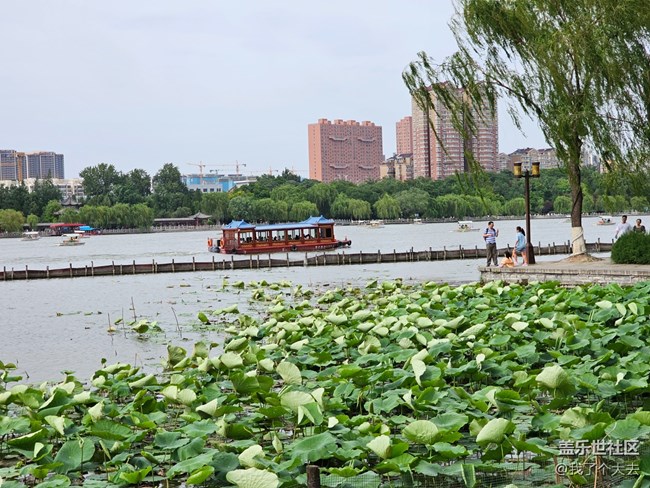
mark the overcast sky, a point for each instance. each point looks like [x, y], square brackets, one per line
[141, 83]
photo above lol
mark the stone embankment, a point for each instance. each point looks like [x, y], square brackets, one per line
[571, 272]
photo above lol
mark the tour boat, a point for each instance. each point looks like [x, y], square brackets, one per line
[466, 226]
[31, 235]
[62, 228]
[376, 224]
[313, 234]
[71, 240]
[417, 221]
[605, 220]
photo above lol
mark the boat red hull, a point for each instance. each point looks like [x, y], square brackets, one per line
[285, 247]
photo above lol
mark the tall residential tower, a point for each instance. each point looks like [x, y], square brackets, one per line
[444, 152]
[344, 150]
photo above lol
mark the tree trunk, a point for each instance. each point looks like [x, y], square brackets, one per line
[578, 245]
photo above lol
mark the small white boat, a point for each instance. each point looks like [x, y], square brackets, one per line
[606, 220]
[31, 235]
[71, 240]
[376, 224]
[417, 221]
[466, 226]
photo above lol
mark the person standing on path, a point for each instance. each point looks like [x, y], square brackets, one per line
[639, 227]
[520, 247]
[490, 235]
[623, 227]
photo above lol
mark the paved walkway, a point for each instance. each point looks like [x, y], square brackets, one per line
[570, 272]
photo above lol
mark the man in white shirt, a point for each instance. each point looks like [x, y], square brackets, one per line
[623, 227]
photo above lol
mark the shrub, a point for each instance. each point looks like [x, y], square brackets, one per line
[632, 248]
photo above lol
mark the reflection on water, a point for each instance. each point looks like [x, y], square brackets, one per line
[51, 325]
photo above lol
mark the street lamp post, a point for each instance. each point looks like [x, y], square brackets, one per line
[526, 173]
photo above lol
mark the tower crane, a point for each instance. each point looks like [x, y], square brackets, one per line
[236, 166]
[200, 165]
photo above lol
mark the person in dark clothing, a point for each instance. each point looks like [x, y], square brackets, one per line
[490, 235]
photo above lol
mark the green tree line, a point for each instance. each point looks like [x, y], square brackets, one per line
[133, 200]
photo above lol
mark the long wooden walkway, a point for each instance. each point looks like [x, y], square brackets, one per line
[223, 263]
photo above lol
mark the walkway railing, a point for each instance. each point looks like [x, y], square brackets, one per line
[222, 262]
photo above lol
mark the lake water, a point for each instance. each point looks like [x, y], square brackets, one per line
[47, 326]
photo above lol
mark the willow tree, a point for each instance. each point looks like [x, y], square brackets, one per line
[579, 67]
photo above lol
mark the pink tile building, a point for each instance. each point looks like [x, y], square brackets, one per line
[404, 134]
[445, 155]
[344, 150]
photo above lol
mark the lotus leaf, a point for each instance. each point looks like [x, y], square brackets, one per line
[494, 431]
[298, 345]
[553, 377]
[421, 432]
[253, 478]
[97, 411]
[247, 456]
[371, 344]
[419, 368]
[294, 399]
[315, 448]
[311, 411]
[83, 397]
[236, 344]
[4, 397]
[267, 364]
[361, 315]
[519, 326]
[277, 444]
[192, 464]
[231, 360]
[209, 408]
[146, 380]
[381, 331]
[473, 331]
[199, 476]
[73, 454]
[58, 423]
[170, 392]
[186, 396]
[381, 446]
[336, 319]
[289, 372]
[546, 322]
[175, 354]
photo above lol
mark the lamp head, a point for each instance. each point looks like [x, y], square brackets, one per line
[535, 170]
[516, 169]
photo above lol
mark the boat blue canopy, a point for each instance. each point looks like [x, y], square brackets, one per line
[305, 224]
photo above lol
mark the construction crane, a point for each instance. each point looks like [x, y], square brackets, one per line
[201, 166]
[236, 166]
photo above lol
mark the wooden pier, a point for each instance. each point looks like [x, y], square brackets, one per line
[231, 262]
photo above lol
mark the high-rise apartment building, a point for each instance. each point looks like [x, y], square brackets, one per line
[344, 150]
[45, 164]
[404, 133]
[18, 166]
[8, 165]
[444, 151]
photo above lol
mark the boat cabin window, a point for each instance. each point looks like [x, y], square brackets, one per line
[278, 235]
[263, 236]
[325, 232]
[245, 237]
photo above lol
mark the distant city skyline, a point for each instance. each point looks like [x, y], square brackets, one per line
[142, 84]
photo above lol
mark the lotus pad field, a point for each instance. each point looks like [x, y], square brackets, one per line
[383, 385]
